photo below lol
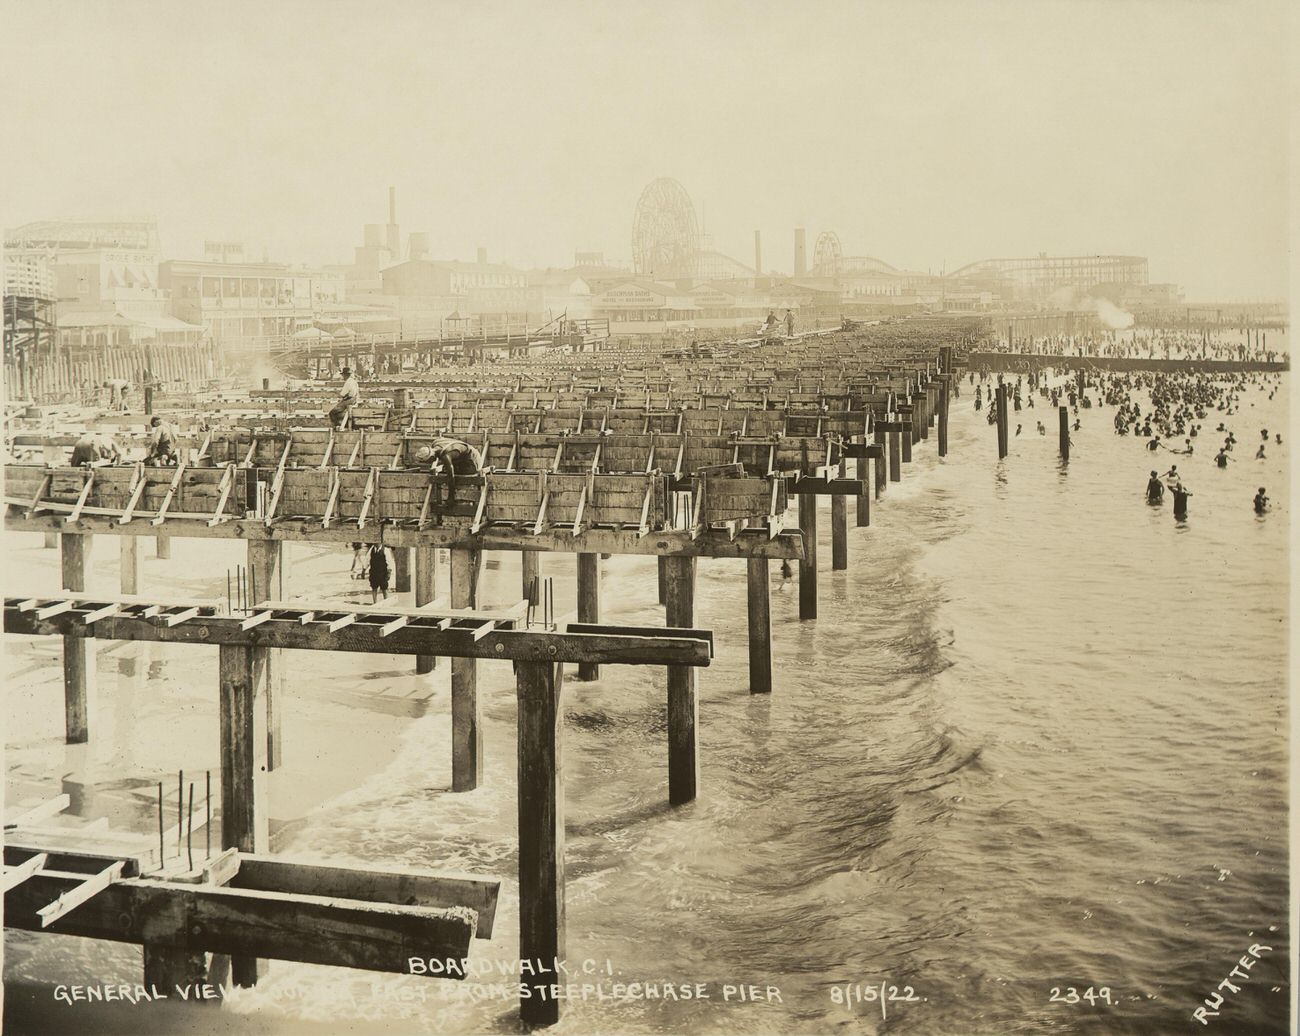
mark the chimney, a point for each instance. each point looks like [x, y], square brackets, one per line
[394, 235]
[800, 253]
[482, 255]
[758, 253]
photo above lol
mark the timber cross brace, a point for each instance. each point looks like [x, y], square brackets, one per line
[221, 917]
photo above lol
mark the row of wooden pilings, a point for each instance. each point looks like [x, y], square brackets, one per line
[1003, 424]
[51, 378]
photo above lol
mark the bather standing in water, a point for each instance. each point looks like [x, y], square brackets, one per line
[1181, 493]
[1155, 489]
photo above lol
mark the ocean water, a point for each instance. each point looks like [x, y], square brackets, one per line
[1035, 744]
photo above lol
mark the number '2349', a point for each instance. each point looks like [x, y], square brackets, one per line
[1070, 995]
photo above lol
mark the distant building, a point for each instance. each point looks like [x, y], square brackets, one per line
[53, 237]
[112, 279]
[112, 297]
[1038, 279]
[1144, 296]
[28, 276]
[641, 301]
[103, 277]
[715, 266]
[434, 278]
[242, 302]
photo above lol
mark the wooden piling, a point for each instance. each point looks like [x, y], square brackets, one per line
[541, 834]
[243, 754]
[266, 574]
[1001, 397]
[905, 439]
[808, 564]
[943, 416]
[864, 498]
[166, 968]
[466, 725]
[895, 456]
[531, 576]
[129, 563]
[760, 625]
[839, 530]
[402, 569]
[1064, 415]
[683, 706]
[588, 605]
[78, 658]
[663, 580]
[426, 569]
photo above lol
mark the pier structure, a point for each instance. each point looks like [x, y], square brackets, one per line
[677, 457]
[181, 917]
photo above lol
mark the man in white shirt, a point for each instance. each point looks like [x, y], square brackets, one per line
[348, 397]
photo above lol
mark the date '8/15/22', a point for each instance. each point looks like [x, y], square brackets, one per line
[851, 993]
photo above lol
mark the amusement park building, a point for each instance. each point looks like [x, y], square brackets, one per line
[1038, 278]
[242, 302]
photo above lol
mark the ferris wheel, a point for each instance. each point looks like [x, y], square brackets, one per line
[665, 235]
[827, 255]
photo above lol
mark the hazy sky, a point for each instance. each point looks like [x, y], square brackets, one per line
[924, 133]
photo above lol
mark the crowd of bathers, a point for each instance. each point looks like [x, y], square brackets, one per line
[1235, 344]
[1171, 410]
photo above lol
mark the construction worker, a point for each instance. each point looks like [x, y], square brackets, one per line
[348, 396]
[118, 388]
[450, 457]
[162, 442]
[93, 449]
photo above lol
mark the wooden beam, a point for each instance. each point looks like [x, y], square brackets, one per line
[81, 499]
[390, 885]
[242, 716]
[372, 484]
[453, 534]
[466, 721]
[541, 834]
[863, 515]
[267, 574]
[80, 893]
[426, 561]
[840, 528]
[78, 660]
[588, 604]
[137, 488]
[161, 516]
[228, 480]
[129, 564]
[683, 706]
[758, 596]
[16, 875]
[247, 923]
[808, 566]
[34, 507]
[21, 817]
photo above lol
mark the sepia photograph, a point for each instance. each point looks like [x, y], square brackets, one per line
[683, 518]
